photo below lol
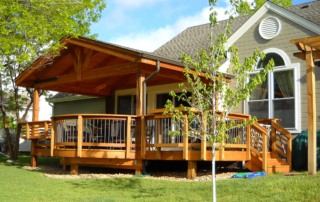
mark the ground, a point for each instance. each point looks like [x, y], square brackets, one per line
[22, 185]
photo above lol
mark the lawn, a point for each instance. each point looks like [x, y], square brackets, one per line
[22, 185]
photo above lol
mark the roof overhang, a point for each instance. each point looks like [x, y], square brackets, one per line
[93, 68]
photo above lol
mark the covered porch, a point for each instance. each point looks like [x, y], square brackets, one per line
[92, 68]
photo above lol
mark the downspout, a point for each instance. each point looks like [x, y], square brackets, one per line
[144, 112]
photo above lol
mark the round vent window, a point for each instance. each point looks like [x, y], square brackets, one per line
[269, 27]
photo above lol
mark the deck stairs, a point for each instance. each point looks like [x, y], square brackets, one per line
[274, 164]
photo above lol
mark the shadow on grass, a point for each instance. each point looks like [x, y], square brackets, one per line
[25, 161]
[129, 185]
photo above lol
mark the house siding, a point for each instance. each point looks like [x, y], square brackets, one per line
[289, 30]
[87, 106]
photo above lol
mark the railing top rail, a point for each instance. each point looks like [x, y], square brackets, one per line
[268, 121]
[94, 115]
[261, 129]
[281, 129]
[35, 122]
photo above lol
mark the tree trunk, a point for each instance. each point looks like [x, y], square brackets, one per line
[5, 120]
[214, 194]
[17, 143]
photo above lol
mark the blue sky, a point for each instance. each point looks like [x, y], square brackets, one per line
[147, 24]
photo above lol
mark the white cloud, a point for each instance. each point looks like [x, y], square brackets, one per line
[136, 3]
[151, 40]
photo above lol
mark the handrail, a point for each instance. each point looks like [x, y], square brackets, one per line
[36, 130]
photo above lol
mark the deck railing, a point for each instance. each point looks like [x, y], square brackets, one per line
[87, 132]
[36, 130]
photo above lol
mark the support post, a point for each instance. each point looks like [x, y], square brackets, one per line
[204, 143]
[128, 140]
[140, 123]
[289, 153]
[248, 140]
[264, 152]
[185, 139]
[74, 169]
[35, 117]
[27, 130]
[53, 139]
[273, 141]
[46, 130]
[80, 132]
[143, 137]
[159, 138]
[192, 169]
[312, 124]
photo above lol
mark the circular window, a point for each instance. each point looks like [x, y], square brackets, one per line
[269, 28]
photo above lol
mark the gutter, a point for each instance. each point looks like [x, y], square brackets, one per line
[144, 112]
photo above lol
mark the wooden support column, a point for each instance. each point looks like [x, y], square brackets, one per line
[80, 132]
[128, 140]
[35, 117]
[273, 141]
[141, 123]
[74, 169]
[264, 152]
[204, 143]
[312, 124]
[53, 137]
[159, 138]
[192, 169]
[248, 140]
[185, 139]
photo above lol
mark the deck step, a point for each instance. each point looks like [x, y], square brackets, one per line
[276, 162]
[278, 168]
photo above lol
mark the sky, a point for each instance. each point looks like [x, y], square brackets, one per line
[148, 24]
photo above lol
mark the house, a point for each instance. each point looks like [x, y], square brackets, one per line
[88, 131]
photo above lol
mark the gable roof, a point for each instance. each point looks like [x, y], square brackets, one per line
[194, 38]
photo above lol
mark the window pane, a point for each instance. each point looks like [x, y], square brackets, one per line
[259, 109]
[162, 100]
[284, 109]
[134, 105]
[278, 61]
[178, 102]
[283, 84]
[260, 92]
[124, 104]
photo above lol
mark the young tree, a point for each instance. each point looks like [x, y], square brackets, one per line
[202, 111]
[30, 29]
[247, 8]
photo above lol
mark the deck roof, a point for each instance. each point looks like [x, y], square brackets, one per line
[94, 68]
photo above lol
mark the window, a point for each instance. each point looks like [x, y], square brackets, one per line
[127, 104]
[278, 96]
[162, 100]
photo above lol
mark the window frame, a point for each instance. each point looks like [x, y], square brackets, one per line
[295, 67]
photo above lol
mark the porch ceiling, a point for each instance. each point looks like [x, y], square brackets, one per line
[93, 68]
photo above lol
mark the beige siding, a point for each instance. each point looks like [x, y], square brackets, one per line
[87, 106]
[290, 30]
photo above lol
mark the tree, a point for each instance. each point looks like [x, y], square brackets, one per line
[203, 111]
[247, 8]
[30, 29]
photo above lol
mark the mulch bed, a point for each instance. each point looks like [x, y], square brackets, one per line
[56, 171]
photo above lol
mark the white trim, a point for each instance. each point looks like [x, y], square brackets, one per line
[280, 52]
[278, 10]
[261, 27]
[224, 67]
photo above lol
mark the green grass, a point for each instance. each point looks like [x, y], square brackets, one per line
[22, 185]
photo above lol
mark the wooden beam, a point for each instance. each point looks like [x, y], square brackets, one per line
[80, 130]
[35, 116]
[87, 60]
[74, 169]
[302, 55]
[128, 141]
[105, 62]
[159, 138]
[312, 118]
[53, 139]
[192, 169]
[104, 72]
[108, 49]
[185, 139]
[307, 40]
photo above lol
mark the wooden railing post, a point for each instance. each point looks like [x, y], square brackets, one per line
[46, 128]
[203, 142]
[185, 139]
[248, 139]
[273, 140]
[128, 141]
[264, 152]
[80, 133]
[53, 139]
[143, 137]
[289, 153]
[27, 130]
[159, 138]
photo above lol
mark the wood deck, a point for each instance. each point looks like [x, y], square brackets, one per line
[114, 141]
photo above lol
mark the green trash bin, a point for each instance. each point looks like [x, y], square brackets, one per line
[300, 151]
